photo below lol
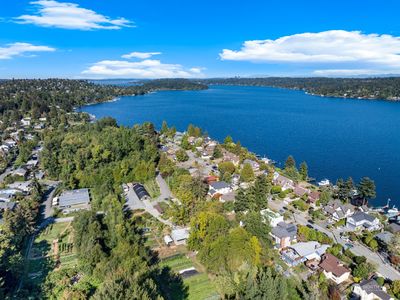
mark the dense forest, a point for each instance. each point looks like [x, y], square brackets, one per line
[365, 88]
[38, 96]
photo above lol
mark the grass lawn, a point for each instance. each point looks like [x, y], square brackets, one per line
[199, 286]
[153, 188]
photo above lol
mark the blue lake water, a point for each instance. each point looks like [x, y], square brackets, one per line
[336, 137]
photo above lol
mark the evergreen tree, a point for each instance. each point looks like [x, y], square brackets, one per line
[366, 188]
[290, 163]
[247, 173]
[303, 170]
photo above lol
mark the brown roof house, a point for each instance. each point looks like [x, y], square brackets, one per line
[333, 269]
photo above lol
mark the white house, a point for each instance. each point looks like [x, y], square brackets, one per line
[370, 290]
[273, 218]
[219, 188]
[361, 220]
[26, 122]
[333, 269]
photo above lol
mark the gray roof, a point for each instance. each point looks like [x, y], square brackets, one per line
[7, 205]
[360, 216]
[283, 230]
[394, 227]
[74, 197]
[371, 286]
[219, 185]
[385, 237]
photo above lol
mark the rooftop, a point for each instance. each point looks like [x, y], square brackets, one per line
[331, 264]
[217, 185]
[372, 287]
[74, 197]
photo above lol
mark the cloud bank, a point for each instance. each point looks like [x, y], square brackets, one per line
[18, 49]
[50, 13]
[147, 68]
[339, 51]
[141, 55]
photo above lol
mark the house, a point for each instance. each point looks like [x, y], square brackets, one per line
[228, 156]
[361, 220]
[254, 165]
[10, 143]
[299, 253]
[7, 205]
[284, 234]
[338, 211]
[283, 181]
[219, 188]
[384, 237]
[32, 163]
[20, 172]
[370, 290]
[301, 191]
[394, 227]
[24, 186]
[333, 269]
[229, 197]
[273, 218]
[168, 240]
[74, 200]
[26, 122]
[313, 197]
[180, 235]
[140, 191]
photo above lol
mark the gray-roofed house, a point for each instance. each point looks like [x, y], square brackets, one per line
[253, 164]
[337, 210]
[394, 227]
[298, 253]
[74, 200]
[229, 197]
[180, 235]
[20, 172]
[219, 188]
[361, 220]
[7, 205]
[284, 234]
[370, 290]
[385, 237]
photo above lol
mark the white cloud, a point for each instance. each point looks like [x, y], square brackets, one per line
[18, 49]
[335, 48]
[67, 15]
[141, 55]
[148, 68]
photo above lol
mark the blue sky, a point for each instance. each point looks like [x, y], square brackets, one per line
[88, 39]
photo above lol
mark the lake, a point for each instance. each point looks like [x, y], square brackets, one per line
[336, 137]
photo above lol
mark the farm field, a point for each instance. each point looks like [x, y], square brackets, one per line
[52, 248]
[198, 284]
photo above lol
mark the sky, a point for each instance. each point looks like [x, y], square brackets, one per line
[197, 39]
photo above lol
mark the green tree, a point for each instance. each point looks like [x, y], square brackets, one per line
[247, 174]
[303, 170]
[181, 155]
[290, 163]
[164, 128]
[366, 188]
[217, 152]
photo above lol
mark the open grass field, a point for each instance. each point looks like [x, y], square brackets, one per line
[199, 285]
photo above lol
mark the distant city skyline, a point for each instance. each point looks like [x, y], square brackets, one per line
[165, 39]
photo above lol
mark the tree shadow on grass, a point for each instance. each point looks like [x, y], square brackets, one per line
[171, 285]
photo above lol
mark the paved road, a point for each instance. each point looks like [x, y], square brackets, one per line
[165, 192]
[46, 206]
[383, 268]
